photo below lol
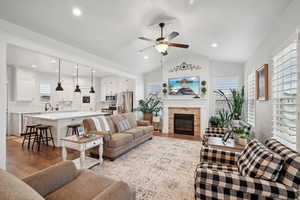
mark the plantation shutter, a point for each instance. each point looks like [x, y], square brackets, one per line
[251, 99]
[224, 84]
[284, 90]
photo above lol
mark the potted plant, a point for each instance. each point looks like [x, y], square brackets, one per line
[203, 90]
[240, 136]
[214, 121]
[165, 90]
[224, 118]
[148, 106]
[156, 117]
[235, 103]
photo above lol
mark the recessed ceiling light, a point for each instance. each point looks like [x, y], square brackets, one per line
[214, 45]
[146, 57]
[33, 66]
[77, 12]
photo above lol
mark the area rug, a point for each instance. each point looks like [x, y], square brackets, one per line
[160, 169]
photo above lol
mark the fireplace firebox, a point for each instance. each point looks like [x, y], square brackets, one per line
[184, 124]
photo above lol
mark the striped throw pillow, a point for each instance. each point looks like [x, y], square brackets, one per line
[124, 125]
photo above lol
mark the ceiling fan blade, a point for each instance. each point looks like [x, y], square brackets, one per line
[145, 49]
[172, 35]
[164, 53]
[178, 45]
[146, 39]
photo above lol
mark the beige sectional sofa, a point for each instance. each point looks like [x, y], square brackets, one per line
[63, 182]
[117, 142]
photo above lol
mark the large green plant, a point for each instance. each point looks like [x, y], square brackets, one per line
[235, 102]
[149, 105]
[225, 117]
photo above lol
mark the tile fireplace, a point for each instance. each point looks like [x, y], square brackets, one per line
[184, 120]
[184, 124]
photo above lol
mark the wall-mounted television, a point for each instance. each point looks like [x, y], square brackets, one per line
[184, 85]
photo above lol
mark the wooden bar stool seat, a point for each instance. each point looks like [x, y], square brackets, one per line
[74, 129]
[29, 134]
[43, 135]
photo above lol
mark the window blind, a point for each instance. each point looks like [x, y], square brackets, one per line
[284, 90]
[251, 99]
[45, 89]
[224, 84]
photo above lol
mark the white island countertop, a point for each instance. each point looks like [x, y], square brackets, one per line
[68, 115]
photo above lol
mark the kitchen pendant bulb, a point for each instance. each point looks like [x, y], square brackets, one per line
[92, 91]
[59, 88]
[77, 89]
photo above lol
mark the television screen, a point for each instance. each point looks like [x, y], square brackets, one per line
[184, 85]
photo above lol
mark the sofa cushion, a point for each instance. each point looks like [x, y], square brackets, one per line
[258, 161]
[52, 178]
[136, 132]
[131, 118]
[219, 167]
[12, 188]
[119, 139]
[86, 186]
[146, 129]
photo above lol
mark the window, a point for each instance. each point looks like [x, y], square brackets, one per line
[45, 92]
[284, 90]
[251, 99]
[153, 89]
[224, 84]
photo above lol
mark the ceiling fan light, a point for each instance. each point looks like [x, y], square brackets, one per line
[161, 47]
[77, 89]
[59, 87]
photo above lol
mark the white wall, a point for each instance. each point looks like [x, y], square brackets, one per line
[283, 28]
[3, 106]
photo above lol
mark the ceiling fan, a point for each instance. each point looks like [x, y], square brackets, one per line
[162, 43]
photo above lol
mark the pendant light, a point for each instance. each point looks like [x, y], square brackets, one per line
[92, 91]
[77, 89]
[59, 87]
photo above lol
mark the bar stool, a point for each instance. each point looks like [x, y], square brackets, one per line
[29, 134]
[42, 132]
[74, 129]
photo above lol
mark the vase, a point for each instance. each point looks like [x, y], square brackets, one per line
[148, 117]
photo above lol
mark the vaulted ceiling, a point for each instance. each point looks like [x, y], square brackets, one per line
[110, 28]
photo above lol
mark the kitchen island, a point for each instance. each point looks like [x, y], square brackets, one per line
[59, 121]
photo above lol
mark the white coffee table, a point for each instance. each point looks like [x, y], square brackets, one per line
[83, 144]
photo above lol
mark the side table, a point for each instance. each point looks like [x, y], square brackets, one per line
[83, 144]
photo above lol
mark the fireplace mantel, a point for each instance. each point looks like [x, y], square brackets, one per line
[201, 103]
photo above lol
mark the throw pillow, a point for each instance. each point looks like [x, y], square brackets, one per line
[259, 162]
[124, 125]
[116, 119]
[226, 135]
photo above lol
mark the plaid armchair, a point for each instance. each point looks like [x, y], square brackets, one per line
[218, 177]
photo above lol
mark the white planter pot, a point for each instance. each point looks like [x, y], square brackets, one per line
[235, 123]
[243, 141]
[156, 118]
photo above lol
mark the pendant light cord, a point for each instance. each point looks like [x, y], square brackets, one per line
[59, 70]
[77, 75]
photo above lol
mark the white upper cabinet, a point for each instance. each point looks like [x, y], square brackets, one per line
[25, 85]
[113, 85]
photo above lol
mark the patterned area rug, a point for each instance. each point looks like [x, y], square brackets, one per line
[160, 169]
